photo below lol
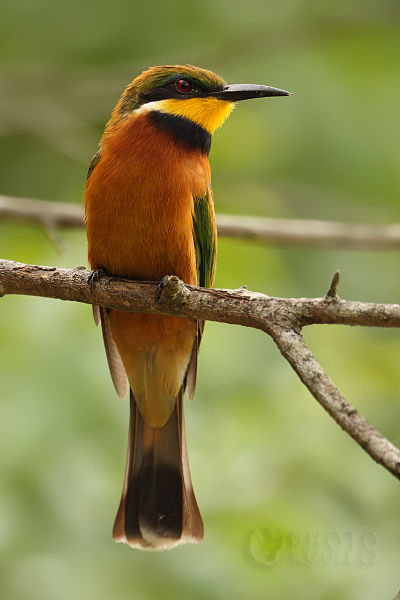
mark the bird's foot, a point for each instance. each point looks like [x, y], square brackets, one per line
[95, 276]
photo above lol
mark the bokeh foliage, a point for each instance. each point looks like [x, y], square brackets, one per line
[263, 454]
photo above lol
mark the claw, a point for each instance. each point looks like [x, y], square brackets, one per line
[161, 286]
[95, 276]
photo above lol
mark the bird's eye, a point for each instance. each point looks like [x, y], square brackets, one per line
[184, 86]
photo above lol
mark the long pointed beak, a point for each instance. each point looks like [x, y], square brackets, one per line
[234, 93]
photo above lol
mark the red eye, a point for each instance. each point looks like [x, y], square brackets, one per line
[184, 85]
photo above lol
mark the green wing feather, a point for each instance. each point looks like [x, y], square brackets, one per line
[94, 163]
[205, 240]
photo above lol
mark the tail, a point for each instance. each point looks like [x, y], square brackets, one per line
[158, 509]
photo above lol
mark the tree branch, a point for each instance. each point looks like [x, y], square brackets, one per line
[280, 318]
[270, 231]
[299, 356]
[60, 214]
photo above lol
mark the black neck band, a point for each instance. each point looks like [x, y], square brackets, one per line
[182, 130]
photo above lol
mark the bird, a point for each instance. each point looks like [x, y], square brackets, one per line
[149, 212]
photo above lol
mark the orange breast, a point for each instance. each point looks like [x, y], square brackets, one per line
[139, 203]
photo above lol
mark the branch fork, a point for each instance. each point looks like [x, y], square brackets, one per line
[282, 319]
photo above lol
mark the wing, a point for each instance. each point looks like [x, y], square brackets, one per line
[117, 368]
[100, 315]
[205, 240]
[95, 160]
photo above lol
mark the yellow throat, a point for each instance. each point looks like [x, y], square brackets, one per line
[208, 112]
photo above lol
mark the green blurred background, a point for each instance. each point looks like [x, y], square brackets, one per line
[269, 466]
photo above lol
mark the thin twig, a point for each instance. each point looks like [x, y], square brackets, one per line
[62, 214]
[280, 232]
[299, 232]
[332, 291]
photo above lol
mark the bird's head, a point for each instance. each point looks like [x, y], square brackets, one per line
[195, 94]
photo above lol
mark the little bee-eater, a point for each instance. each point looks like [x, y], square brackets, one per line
[150, 213]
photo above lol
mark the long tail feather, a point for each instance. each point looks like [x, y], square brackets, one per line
[158, 509]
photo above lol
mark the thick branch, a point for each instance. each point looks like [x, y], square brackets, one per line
[271, 231]
[281, 318]
[237, 307]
